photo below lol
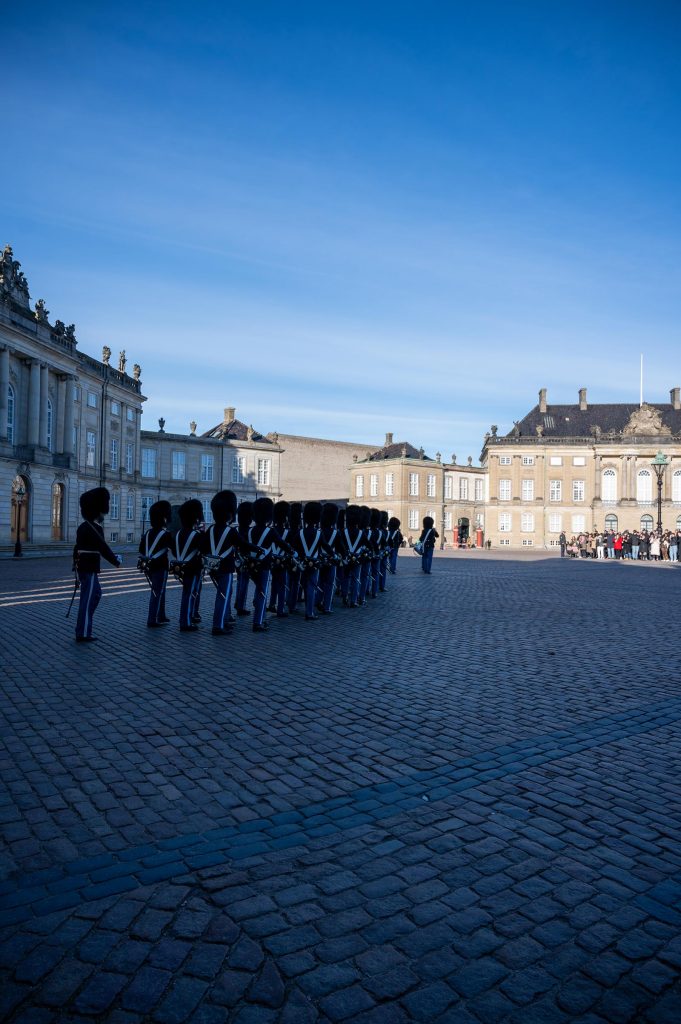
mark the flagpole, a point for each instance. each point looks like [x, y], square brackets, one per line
[641, 395]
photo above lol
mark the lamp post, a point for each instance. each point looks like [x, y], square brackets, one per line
[659, 464]
[19, 494]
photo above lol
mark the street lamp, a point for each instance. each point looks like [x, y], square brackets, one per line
[19, 494]
[659, 464]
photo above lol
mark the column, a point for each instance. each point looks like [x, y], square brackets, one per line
[597, 478]
[68, 414]
[4, 388]
[631, 462]
[34, 404]
[58, 429]
[44, 395]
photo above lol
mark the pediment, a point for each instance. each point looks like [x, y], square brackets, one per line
[646, 422]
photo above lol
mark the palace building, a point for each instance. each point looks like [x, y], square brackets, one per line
[574, 468]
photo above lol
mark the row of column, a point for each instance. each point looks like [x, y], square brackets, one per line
[38, 398]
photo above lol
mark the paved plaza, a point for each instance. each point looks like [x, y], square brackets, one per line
[460, 804]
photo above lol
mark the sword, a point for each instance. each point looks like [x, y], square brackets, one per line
[76, 587]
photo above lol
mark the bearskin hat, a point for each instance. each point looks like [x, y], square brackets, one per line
[263, 509]
[329, 514]
[160, 514]
[95, 503]
[312, 513]
[244, 514]
[393, 523]
[295, 517]
[280, 514]
[190, 513]
[223, 506]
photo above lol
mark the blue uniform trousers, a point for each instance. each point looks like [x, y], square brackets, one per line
[262, 582]
[350, 585]
[375, 572]
[279, 593]
[392, 560]
[157, 596]
[241, 590]
[364, 574]
[310, 584]
[90, 596]
[382, 571]
[327, 580]
[190, 585]
[427, 559]
[293, 588]
[223, 598]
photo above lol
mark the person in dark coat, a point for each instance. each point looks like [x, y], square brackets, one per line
[308, 545]
[244, 518]
[262, 539]
[353, 537]
[153, 561]
[368, 552]
[384, 552]
[395, 539]
[280, 561]
[219, 547]
[427, 540]
[186, 561]
[90, 548]
[294, 579]
[333, 553]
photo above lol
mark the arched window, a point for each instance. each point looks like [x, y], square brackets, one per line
[10, 413]
[611, 520]
[676, 486]
[647, 523]
[609, 488]
[49, 424]
[644, 485]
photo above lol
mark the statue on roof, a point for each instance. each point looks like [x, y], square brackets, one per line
[13, 284]
[122, 360]
[59, 328]
[250, 433]
[494, 429]
[41, 312]
[136, 371]
[645, 422]
[192, 428]
[106, 354]
[516, 428]
[70, 332]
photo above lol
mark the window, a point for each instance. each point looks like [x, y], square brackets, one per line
[555, 522]
[76, 393]
[578, 490]
[463, 488]
[389, 484]
[115, 408]
[130, 537]
[647, 523]
[207, 513]
[609, 485]
[413, 485]
[611, 522]
[644, 486]
[147, 502]
[528, 460]
[504, 460]
[373, 485]
[676, 486]
[479, 520]
[129, 457]
[113, 537]
[430, 485]
[527, 522]
[527, 490]
[359, 486]
[114, 510]
[504, 522]
[479, 489]
[92, 400]
[504, 542]
[10, 413]
[263, 472]
[49, 425]
[527, 542]
[91, 446]
[578, 524]
[579, 460]
[448, 487]
[504, 490]
[130, 415]
[148, 462]
[556, 460]
[130, 506]
[113, 460]
[448, 520]
[413, 519]
[207, 468]
[238, 469]
[555, 490]
[179, 466]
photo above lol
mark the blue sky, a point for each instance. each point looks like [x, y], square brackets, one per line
[349, 218]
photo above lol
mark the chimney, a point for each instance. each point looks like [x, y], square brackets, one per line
[230, 414]
[542, 400]
[675, 398]
[582, 400]
[388, 439]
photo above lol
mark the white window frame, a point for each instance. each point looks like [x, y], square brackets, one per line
[579, 460]
[178, 465]
[578, 490]
[129, 457]
[114, 453]
[130, 506]
[11, 413]
[463, 488]
[505, 522]
[359, 486]
[413, 485]
[130, 415]
[373, 485]
[431, 484]
[389, 485]
[91, 449]
[115, 506]
[91, 400]
[556, 460]
[238, 469]
[207, 468]
[527, 490]
[413, 519]
[505, 489]
[578, 523]
[505, 460]
[644, 486]
[115, 407]
[479, 489]
[448, 487]
[676, 486]
[609, 484]
[264, 472]
[527, 522]
[555, 522]
[448, 520]
[149, 461]
[528, 460]
[555, 490]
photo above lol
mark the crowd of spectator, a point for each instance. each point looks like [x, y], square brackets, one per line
[637, 545]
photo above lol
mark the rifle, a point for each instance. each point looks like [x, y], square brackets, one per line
[76, 588]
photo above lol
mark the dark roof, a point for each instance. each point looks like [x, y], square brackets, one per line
[401, 450]
[571, 421]
[235, 430]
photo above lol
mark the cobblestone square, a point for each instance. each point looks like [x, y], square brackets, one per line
[459, 804]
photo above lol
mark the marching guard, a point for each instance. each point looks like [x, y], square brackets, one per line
[394, 543]
[353, 535]
[90, 548]
[333, 555]
[244, 518]
[262, 539]
[280, 561]
[186, 562]
[427, 543]
[153, 561]
[219, 545]
[308, 544]
[294, 580]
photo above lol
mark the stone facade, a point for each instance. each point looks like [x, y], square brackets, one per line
[331, 461]
[579, 467]
[67, 422]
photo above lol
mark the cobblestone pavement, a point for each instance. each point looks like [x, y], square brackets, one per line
[460, 804]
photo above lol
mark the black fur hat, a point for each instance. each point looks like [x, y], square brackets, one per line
[280, 514]
[364, 516]
[95, 503]
[223, 506]
[295, 517]
[190, 513]
[312, 513]
[394, 523]
[352, 517]
[375, 520]
[341, 519]
[428, 522]
[263, 509]
[329, 514]
[160, 513]
[244, 514]
[384, 520]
